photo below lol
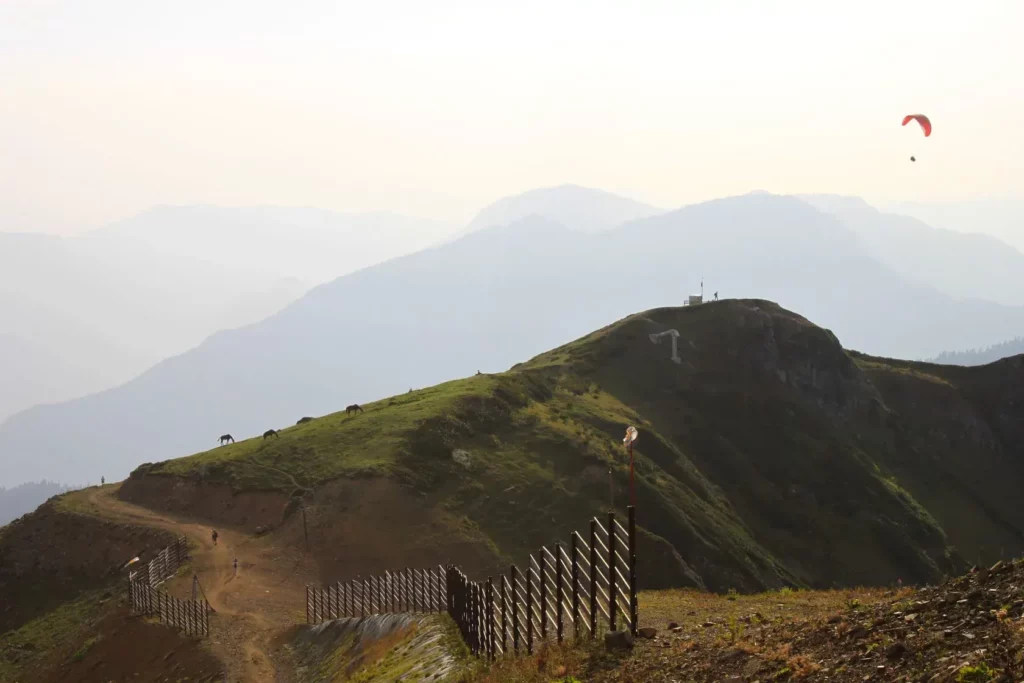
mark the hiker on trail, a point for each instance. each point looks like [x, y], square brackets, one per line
[103, 481]
[236, 566]
[214, 535]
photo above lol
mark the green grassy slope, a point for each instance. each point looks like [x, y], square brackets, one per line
[769, 455]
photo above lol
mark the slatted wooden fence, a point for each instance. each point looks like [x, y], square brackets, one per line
[191, 616]
[581, 586]
[407, 590]
[145, 597]
[164, 565]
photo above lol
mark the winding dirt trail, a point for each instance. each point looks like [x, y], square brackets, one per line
[254, 607]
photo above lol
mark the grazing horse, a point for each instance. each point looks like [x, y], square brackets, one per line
[304, 420]
[270, 432]
[226, 438]
[354, 408]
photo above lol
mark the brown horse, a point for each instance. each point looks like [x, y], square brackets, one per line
[225, 439]
[354, 408]
[304, 420]
[270, 432]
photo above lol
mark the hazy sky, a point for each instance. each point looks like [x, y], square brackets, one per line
[436, 108]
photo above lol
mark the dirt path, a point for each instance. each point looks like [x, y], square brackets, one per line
[254, 607]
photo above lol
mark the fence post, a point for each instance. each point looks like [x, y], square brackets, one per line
[373, 594]
[470, 614]
[529, 605]
[543, 594]
[575, 570]
[559, 592]
[504, 615]
[611, 571]
[490, 618]
[593, 577]
[481, 611]
[634, 616]
[362, 598]
[513, 572]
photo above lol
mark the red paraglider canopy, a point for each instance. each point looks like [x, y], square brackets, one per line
[926, 125]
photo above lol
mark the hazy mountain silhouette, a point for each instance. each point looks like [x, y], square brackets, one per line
[483, 303]
[25, 498]
[84, 313]
[984, 356]
[581, 209]
[962, 265]
[90, 312]
[1000, 218]
[33, 374]
[312, 245]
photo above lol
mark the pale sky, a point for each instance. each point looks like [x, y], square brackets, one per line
[436, 108]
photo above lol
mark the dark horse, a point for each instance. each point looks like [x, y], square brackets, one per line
[270, 432]
[304, 420]
[226, 438]
[354, 408]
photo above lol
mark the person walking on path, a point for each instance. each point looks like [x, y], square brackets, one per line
[214, 535]
[236, 566]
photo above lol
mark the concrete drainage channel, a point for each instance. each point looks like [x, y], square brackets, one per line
[386, 647]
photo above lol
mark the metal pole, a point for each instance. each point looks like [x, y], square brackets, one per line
[489, 615]
[634, 616]
[559, 592]
[529, 607]
[543, 594]
[593, 577]
[575, 587]
[632, 487]
[611, 570]
[504, 615]
[515, 608]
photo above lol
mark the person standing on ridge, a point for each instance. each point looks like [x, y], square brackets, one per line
[214, 535]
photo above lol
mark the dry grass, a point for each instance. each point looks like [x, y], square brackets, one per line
[708, 627]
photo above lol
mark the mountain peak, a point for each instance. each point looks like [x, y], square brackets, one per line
[578, 208]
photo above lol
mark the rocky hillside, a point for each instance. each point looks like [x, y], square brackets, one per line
[768, 456]
[967, 630]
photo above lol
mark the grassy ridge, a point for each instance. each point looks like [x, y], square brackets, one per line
[768, 456]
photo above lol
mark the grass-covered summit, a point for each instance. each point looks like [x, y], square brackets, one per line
[768, 455]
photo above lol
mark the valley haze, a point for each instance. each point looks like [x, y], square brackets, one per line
[503, 292]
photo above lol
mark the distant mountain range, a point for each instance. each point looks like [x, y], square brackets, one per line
[310, 245]
[961, 265]
[580, 209]
[81, 314]
[1002, 218]
[984, 356]
[483, 302]
[85, 313]
[21, 500]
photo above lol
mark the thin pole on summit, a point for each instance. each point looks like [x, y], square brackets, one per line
[631, 435]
